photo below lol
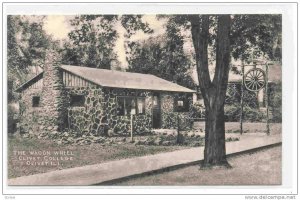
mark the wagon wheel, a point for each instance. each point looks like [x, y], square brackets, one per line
[255, 79]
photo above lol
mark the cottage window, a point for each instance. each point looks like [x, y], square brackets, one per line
[77, 101]
[35, 101]
[155, 100]
[181, 104]
[140, 105]
[130, 105]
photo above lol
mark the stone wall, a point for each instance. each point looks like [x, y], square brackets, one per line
[51, 112]
[97, 116]
[91, 117]
[121, 124]
[29, 116]
[54, 100]
[170, 117]
[100, 112]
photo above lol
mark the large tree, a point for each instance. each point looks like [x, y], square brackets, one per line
[213, 91]
[227, 36]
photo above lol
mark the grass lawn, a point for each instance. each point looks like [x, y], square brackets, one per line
[83, 155]
[94, 153]
[260, 168]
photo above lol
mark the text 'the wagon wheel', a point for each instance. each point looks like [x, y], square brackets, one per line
[255, 79]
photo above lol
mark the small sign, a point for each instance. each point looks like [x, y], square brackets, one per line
[133, 112]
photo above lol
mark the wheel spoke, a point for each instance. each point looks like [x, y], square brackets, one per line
[260, 84]
[261, 75]
[249, 76]
[251, 84]
[247, 83]
[252, 74]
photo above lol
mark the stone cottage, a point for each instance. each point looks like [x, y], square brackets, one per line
[99, 101]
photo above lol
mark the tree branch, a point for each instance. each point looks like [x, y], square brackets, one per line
[200, 36]
[222, 55]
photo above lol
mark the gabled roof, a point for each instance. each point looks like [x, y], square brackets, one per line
[117, 79]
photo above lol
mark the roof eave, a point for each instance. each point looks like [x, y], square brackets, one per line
[21, 87]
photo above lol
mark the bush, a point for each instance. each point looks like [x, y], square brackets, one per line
[11, 118]
[275, 101]
[198, 110]
[233, 112]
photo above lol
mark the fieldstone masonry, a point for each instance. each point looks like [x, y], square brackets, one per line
[100, 112]
[54, 101]
[29, 116]
[169, 117]
[51, 113]
[98, 116]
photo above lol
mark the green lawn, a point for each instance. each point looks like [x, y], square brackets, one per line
[83, 155]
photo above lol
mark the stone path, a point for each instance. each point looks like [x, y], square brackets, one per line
[120, 169]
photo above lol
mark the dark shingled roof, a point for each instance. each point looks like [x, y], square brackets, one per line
[118, 79]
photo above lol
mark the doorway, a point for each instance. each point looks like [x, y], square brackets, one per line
[156, 111]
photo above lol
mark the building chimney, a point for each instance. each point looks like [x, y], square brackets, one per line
[53, 98]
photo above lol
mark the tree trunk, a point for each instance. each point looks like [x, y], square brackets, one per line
[215, 152]
[214, 91]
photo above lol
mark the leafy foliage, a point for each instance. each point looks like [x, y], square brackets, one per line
[198, 110]
[233, 112]
[162, 56]
[256, 36]
[26, 46]
[275, 99]
[93, 39]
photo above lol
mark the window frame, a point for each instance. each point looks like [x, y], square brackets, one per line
[185, 106]
[144, 106]
[34, 104]
[72, 102]
[135, 98]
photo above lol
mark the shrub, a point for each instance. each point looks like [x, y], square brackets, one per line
[11, 118]
[275, 101]
[198, 110]
[233, 112]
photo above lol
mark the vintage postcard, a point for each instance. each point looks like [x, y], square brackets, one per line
[127, 99]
